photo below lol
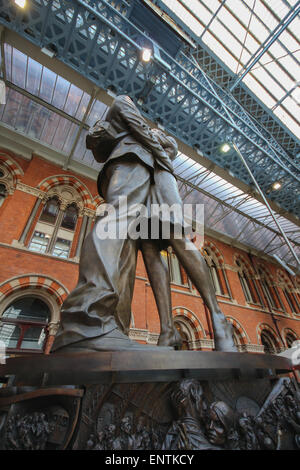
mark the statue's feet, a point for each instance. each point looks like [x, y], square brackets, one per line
[223, 335]
[170, 338]
[113, 341]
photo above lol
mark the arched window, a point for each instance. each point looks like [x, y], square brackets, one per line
[184, 336]
[54, 232]
[171, 261]
[70, 217]
[289, 292]
[237, 338]
[290, 338]
[50, 211]
[269, 342]
[3, 192]
[247, 284]
[266, 288]
[23, 324]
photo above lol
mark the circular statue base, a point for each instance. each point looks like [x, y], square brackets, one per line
[181, 400]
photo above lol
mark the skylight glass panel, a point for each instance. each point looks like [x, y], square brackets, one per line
[287, 120]
[294, 26]
[287, 39]
[280, 8]
[239, 9]
[34, 73]
[61, 91]
[47, 84]
[73, 101]
[19, 61]
[211, 4]
[267, 81]
[226, 38]
[281, 76]
[199, 10]
[262, 12]
[296, 94]
[293, 68]
[232, 23]
[219, 50]
[258, 28]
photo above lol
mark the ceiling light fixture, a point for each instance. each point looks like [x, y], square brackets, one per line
[277, 185]
[146, 54]
[225, 148]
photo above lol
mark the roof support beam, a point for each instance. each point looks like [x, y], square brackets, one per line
[267, 43]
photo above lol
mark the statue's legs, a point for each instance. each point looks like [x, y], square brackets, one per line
[89, 312]
[159, 278]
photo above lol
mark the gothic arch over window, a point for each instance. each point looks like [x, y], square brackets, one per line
[240, 336]
[3, 192]
[24, 322]
[29, 309]
[290, 336]
[188, 326]
[289, 291]
[247, 281]
[173, 265]
[268, 339]
[64, 205]
[10, 174]
[269, 289]
[54, 231]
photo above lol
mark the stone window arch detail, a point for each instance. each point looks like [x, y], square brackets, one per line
[67, 187]
[239, 329]
[192, 328]
[74, 202]
[269, 288]
[97, 201]
[10, 174]
[289, 291]
[48, 290]
[246, 276]
[289, 336]
[269, 333]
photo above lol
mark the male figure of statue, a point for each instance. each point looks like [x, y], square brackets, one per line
[107, 266]
[97, 312]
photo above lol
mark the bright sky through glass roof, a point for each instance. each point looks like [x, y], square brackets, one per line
[236, 33]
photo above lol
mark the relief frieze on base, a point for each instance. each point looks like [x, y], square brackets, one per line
[262, 414]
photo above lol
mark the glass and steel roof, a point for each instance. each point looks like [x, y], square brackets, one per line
[237, 32]
[47, 108]
[101, 40]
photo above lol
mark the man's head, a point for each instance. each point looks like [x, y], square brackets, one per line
[167, 142]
